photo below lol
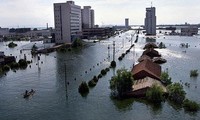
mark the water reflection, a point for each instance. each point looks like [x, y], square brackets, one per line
[150, 40]
[156, 108]
[123, 105]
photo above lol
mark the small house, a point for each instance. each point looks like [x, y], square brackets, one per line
[151, 53]
[146, 68]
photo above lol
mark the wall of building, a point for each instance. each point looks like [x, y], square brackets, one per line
[68, 23]
[150, 21]
[86, 17]
[189, 31]
[127, 23]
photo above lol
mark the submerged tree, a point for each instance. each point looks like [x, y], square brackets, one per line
[189, 105]
[155, 94]
[12, 45]
[22, 63]
[83, 88]
[77, 43]
[113, 64]
[121, 83]
[34, 49]
[194, 73]
[162, 45]
[176, 93]
[165, 78]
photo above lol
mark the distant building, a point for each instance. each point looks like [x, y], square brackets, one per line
[97, 32]
[87, 17]
[19, 30]
[127, 23]
[150, 21]
[92, 18]
[4, 32]
[39, 33]
[189, 30]
[68, 25]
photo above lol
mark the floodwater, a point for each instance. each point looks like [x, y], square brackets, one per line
[53, 101]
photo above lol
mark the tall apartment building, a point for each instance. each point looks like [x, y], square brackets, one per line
[127, 23]
[150, 21]
[92, 18]
[68, 24]
[87, 17]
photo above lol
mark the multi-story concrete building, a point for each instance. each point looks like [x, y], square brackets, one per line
[4, 32]
[150, 21]
[87, 17]
[92, 18]
[189, 30]
[68, 25]
[127, 23]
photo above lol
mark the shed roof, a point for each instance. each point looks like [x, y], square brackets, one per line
[144, 57]
[150, 45]
[146, 68]
[151, 53]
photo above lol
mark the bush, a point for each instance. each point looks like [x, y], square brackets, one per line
[12, 45]
[113, 64]
[165, 78]
[107, 69]
[6, 68]
[100, 76]
[162, 45]
[83, 88]
[103, 72]
[62, 49]
[123, 54]
[14, 65]
[22, 63]
[194, 73]
[92, 83]
[176, 93]
[121, 83]
[189, 105]
[28, 62]
[127, 51]
[77, 43]
[34, 48]
[120, 58]
[155, 94]
[1, 71]
[69, 49]
[95, 79]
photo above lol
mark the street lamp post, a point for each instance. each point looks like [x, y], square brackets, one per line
[113, 50]
[66, 80]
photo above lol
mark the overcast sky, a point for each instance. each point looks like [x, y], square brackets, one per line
[36, 13]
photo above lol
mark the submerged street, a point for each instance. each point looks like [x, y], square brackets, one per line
[52, 100]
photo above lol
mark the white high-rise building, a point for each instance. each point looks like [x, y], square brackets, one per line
[68, 24]
[87, 17]
[150, 21]
[92, 18]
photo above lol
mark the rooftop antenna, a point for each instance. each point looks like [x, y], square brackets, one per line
[151, 4]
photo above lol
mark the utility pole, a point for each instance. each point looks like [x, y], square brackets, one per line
[113, 50]
[66, 79]
[38, 62]
[108, 51]
[131, 39]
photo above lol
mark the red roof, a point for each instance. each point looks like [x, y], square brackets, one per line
[146, 68]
